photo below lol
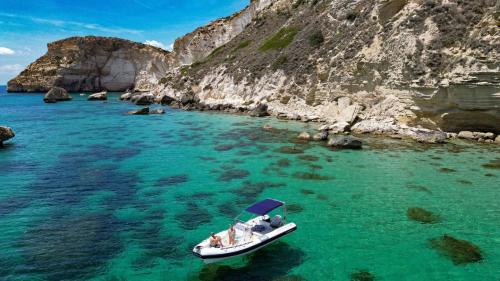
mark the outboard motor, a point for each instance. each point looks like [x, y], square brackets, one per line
[276, 221]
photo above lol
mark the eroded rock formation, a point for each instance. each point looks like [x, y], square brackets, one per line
[91, 64]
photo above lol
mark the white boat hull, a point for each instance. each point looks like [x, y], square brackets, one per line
[212, 255]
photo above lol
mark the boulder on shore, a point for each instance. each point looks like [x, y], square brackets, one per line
[143, 99]
[304, 136]
[167, 100]
[260, 111]
[424, 135]
[142, 111]
[157, 111]
[56, 94]
[347, 142]
[99, 96]
[6, 133]
[480, 136]
[127, 95]
[147, 111]
[321, 136]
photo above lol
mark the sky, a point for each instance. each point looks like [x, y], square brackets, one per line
[26, 26]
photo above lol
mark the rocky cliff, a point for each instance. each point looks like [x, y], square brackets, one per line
[198, 44]
[399, 63]
[369, 65]
[88, 64]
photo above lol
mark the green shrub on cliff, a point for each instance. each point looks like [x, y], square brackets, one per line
[316, 39]
[279, 62]
[242, 45]
[280, 40]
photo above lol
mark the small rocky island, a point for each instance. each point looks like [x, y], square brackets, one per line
[6, 133]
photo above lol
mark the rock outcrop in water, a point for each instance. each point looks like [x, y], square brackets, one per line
[98, 96]
[370, 66]
[91, 64]
[56, 94]
[6, 133]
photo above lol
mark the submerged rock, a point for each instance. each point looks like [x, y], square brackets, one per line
[345, 142]
[421, 215]
[56, 94]
[142, 111]
[362, 275]
[311, 176]
[459, 251]
[6, 133]
[289, 150]
[99, 96]
[493, 164]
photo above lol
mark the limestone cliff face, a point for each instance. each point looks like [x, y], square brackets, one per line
[198, 44]
[81, 64]
[400, 62]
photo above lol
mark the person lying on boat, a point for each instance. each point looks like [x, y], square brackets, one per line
[215, 241]
[231, 235]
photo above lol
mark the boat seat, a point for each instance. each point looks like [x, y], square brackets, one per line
[259, 228]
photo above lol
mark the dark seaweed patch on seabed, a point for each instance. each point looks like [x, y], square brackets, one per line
[248, 191]
[233, 174]
[70, 248]
[172, 180]
[49, 246]
[193, 216]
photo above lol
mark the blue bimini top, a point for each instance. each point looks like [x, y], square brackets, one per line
[265, 206]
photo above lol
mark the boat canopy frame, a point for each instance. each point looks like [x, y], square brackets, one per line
[264, 207]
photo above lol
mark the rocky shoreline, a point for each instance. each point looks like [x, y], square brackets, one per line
[345, 126]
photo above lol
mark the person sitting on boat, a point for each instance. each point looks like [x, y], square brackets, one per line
[231, 234]
[215, 241]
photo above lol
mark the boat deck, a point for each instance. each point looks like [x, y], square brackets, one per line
[248, 232]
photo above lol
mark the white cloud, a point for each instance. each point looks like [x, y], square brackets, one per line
[73, 24]
[155, 43]
[4, 51]
[11, 68]
[171, 47]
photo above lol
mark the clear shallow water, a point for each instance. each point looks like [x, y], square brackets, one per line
[89, 193]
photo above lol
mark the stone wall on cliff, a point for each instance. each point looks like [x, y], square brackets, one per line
[89, 64]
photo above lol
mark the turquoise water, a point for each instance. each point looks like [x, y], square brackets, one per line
[89, 193]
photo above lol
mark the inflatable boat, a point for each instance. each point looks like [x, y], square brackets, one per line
[250, 236]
